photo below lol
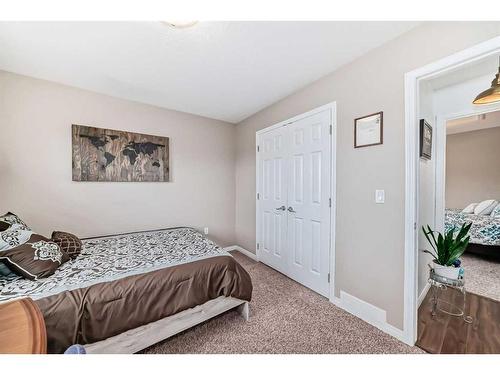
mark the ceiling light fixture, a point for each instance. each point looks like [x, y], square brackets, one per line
[492, 95]
[180, 24]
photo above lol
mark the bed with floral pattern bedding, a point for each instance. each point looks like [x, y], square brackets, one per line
[485, 229]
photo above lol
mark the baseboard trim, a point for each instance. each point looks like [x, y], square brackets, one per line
[243, 251]
[422, 295]
[369, 313]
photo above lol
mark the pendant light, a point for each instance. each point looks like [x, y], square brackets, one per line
[492, 95]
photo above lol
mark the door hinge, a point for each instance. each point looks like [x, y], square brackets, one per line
[330, 202]
[258, 148]
[331, 129]
[328, 277]
[258, 196]
[414, 226]
[258, 246]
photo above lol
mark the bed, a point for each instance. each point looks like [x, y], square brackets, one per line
[126, 292]
[484, 232]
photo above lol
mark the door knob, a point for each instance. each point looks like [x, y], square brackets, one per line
[282, 208]
[290, 209]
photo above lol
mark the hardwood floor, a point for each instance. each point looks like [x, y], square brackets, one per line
[452, 335]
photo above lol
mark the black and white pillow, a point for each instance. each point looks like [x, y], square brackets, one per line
[12, 221]
[29, 254]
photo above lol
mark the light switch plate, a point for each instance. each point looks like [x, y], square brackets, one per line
[379, 196]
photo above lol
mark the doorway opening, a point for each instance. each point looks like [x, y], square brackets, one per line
[458, 185]
[472, 176]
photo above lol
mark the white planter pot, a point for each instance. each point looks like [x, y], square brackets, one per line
[445, 271]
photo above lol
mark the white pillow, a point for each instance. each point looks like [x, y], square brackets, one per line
[496, 211]
[470, 208]
[485, 207]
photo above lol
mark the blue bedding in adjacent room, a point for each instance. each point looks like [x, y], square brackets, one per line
[485, 229]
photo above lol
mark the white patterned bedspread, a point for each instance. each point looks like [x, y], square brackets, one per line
[114, 257]
[485, 229]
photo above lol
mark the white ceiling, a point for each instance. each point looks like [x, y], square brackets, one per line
[472, 123]
[222, 70]
[486, 66]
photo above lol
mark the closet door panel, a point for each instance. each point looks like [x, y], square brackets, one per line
[295, 163]
[308, 201]
[273, 181]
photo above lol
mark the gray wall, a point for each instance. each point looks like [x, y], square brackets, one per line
[370, 237]
[35, 164]
[472, 167]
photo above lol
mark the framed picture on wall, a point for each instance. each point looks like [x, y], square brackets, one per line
[113, 155]
[368, 130]
[425, 140]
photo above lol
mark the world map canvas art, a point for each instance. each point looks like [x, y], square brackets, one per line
[112, 155]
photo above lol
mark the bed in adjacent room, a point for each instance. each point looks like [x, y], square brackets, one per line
[125, 292]
[484, 232]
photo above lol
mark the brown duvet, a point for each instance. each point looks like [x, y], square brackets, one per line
[103, 310]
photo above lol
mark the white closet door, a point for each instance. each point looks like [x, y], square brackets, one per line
[308, 207]
[273, 198]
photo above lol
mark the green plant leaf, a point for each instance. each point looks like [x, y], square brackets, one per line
[428, 252]
[442, 251]
[459, 250]
[463, 231]
[447, 248]
[426, 234]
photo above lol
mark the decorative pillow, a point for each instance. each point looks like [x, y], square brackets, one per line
[69, 243]
[496, 211]
[12, 221]
[485, 207]
[14, 237]
[33, 258]
[469, 209]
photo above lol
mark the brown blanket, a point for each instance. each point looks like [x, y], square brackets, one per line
[106, 309]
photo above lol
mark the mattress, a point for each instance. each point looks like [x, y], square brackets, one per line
[121, 282]
[485, 230]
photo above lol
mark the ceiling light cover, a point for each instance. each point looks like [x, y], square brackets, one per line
[492, 95]
[181, 24]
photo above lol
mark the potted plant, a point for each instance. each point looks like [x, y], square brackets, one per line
[447, 249]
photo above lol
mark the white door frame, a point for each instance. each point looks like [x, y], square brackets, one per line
[412, 80]
[333, 172]
[440, 166]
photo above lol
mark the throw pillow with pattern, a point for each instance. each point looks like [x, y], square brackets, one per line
[69, 243]
[12, 221]
[29, 254]
[496, 212]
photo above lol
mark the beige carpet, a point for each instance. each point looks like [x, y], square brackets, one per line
[285, 317]
[482, 275]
